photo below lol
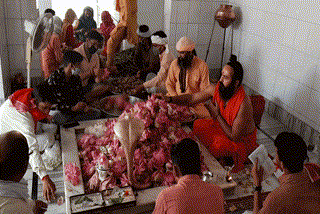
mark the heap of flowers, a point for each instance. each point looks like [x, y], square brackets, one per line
[103, 160]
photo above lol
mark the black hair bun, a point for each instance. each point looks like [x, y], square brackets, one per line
[160, 33]
[143, 28]
[233, 58]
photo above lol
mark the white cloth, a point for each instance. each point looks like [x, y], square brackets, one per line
[11, 119]
[159, 40]
[14, 190]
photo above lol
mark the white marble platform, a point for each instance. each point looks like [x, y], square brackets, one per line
[145, 198]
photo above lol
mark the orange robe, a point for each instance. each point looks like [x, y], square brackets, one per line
[51, 56]
[210, 133]
[125, 29]
[197, 79]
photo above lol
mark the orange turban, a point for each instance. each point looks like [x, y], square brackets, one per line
[185, 44]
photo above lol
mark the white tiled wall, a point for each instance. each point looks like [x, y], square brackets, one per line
[280, 50]
[151, 13]
[13, 39]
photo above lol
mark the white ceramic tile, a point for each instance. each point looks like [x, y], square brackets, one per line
[309, 77]
[214, 55]
[301, 101]
[194, 12]
[204, 33]
[193, 32]
[267, 80]
[183, 12]
[274, 33]
[17, 57]
[302, 35]
[29, 9]
[316, 78]
[292, 9]
[279, 86]
[182, 30]
[285, 56]
[298, 66]
[3, 40]
[314, 111]
[306, 10]
[281, 8]
[291, 88]
[2, 9]
[201, 51]
[174, 12]
[14, 31]
[13, 9]
[172, 36]
[207, 12]
[313, 44]
[289, 29]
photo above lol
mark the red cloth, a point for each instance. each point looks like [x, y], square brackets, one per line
[313, 171]
[210, 133]
[106, 27]
[22, 101]
[68, 36]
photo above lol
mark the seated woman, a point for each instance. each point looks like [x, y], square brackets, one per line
[105, 29]
[68, 36]
[86, 23]
[51, 56]
[69, 93]
[231, 130]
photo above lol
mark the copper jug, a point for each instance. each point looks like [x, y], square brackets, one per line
[225, 15]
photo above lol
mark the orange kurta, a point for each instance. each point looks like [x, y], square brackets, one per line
[197, 79]
[191, 195]
[213, 137]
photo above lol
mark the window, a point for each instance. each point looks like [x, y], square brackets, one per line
[61, 6]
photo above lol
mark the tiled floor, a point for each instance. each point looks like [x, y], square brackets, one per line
[269, 129]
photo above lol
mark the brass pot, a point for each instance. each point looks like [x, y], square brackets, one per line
[225, 15]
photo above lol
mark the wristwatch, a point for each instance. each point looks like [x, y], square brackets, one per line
[257, 188]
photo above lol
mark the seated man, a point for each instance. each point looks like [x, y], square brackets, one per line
[191, 194]
[146, 57]
[298, 191]
[22, 112]
[157, 83]
[90, 72]
[14, 196]
[68, 92]
[231, 130]
[140, 60]
[188, 74]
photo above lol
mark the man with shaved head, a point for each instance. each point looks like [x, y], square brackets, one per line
[14, 158]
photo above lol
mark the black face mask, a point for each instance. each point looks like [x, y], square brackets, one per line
[227, 92]
[92, 49]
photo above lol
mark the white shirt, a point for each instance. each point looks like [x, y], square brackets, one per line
[11, 119]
